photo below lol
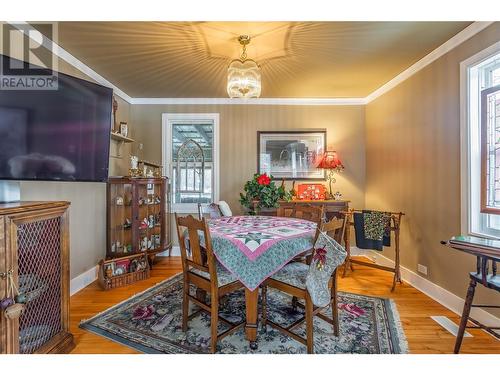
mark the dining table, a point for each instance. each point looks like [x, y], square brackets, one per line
[253, 248]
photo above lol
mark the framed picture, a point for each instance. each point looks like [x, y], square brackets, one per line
[291, 155]
[124, 129]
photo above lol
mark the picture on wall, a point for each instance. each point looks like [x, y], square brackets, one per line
[291, 155]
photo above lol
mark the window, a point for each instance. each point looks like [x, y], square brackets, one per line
[190, 154]
[490, 149]
[481, 143]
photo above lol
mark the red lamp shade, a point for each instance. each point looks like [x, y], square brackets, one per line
[330, 160]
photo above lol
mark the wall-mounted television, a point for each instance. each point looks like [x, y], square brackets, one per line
[55, 135]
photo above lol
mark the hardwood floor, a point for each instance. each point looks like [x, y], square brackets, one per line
[415, 308]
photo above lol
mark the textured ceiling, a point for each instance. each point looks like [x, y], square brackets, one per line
[298, 59]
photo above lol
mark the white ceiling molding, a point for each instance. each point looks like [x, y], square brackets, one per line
[251, 101]
[444, 48]
[72, 60]
[456, 40]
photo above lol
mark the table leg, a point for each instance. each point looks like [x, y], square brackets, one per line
[251, 302]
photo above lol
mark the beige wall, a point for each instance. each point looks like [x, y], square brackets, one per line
[413, 164]
[88, 201]
[238, 139]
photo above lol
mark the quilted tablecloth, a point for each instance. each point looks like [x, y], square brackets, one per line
[255, 247]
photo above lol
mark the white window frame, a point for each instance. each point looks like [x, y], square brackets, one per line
[472, 223]
[168, 120]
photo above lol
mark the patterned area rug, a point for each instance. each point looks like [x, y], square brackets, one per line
[150, 322]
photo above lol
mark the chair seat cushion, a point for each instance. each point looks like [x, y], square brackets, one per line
[224, 277]
[294, 273]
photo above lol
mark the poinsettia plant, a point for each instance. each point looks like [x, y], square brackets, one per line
[262, 192]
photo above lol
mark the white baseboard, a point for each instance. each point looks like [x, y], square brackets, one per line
[175, 252]
[81, 281]
[434, 291]
[88, 277]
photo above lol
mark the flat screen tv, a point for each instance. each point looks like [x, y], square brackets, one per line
[60, 135]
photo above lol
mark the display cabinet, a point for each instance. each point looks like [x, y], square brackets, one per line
[34, 278]
[137, 217]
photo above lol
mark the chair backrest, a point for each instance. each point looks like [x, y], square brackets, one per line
[200, 254]
[225, 209]
[335, 228]
[302, 211]
[211, 211]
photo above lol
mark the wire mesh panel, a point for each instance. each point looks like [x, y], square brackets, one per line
[39, 251]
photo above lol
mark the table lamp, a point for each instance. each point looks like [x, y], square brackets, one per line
[330, 161]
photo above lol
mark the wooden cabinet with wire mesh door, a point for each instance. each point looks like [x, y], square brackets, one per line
[34, 278]
[138, 217]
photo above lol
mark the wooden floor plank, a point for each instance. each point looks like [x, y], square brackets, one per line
[415, 309]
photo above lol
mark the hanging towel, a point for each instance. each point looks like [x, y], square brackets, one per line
[372, 230]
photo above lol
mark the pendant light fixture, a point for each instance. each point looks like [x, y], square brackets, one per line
[243, 75]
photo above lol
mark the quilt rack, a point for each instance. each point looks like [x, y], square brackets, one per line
[394, 227]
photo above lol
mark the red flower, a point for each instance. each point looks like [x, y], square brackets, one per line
[263, 179]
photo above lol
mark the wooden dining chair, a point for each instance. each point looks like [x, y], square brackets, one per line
[291, 280]
[205, 273]
[304, 212]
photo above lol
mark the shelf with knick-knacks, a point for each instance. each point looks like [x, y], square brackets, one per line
[137, 217]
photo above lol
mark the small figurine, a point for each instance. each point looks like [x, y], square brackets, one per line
[133, 265]
[142, 264]
[134, 162]
[157, 240]
[127, 224]
[119, 201]
[337, 195]
[109, 271]
[144, 224]
[144, 244]
[134, 167]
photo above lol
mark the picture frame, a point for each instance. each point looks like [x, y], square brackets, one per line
[124, 129]
[291, 155]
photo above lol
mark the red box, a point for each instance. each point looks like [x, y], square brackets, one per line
[311, 191]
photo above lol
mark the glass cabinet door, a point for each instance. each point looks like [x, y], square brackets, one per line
[150, 200]
[120, 213]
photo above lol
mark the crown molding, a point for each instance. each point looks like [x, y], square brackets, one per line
[251, 101]
[450, 44]
[443, 49]
[60, 52]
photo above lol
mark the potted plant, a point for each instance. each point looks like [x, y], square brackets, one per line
[262, 192]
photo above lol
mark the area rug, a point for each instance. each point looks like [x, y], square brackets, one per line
[150, 322]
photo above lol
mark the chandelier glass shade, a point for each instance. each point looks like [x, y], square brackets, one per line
[243, 75]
